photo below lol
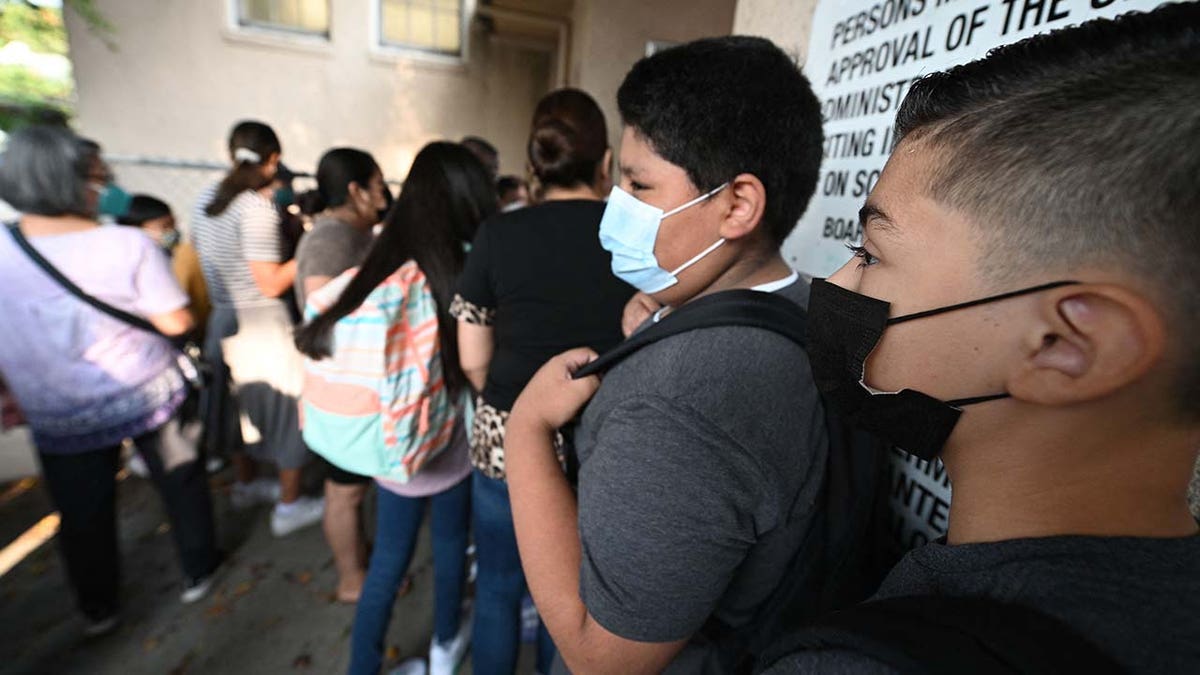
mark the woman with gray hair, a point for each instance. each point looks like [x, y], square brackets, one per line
[86, 379]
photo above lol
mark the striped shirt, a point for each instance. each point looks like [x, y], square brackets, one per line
[379, 406]
[246, 231]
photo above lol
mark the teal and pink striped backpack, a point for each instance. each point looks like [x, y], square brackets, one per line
[379, 406]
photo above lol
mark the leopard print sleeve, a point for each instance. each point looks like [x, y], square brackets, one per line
[471, 313]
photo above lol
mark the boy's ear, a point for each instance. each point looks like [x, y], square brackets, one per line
[1089, 341]
[604, 173]
[744, 201]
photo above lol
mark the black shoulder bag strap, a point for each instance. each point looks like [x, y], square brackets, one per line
[754, 309]
[52, 271]
[190, 364]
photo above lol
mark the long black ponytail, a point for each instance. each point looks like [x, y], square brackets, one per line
[445, 197]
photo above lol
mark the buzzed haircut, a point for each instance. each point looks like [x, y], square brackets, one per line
[720, 107]
[1079, 147]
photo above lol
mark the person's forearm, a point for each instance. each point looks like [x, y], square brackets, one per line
[273, 279]
[545, 515]
[477, 377]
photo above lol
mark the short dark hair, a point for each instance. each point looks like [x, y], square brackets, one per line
[507, 184]
[44, 171]
[476, 144]
[719, 107]
[143, 208]
[1080, 146]
[568, 139]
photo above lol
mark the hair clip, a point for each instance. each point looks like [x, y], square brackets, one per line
[247, 155]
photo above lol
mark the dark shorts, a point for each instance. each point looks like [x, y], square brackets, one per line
[341, 476]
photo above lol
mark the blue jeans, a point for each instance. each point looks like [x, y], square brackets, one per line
[399, 520]
[496, 637]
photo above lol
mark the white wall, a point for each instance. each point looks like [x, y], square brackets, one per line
[181, 77]
[788, 23]
[611, 35]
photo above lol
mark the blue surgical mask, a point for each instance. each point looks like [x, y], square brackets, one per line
[169, 240]
[628, 231]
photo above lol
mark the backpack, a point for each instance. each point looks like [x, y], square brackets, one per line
[940, 635]
[379, 405]
[841, 560]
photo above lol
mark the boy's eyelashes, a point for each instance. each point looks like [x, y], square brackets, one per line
[636, 186]
[865, 257]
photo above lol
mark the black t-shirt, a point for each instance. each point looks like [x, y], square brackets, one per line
[1138, 600]
[541, 278]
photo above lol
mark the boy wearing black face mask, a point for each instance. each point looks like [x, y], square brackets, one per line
[1071, 463]
[702, 454]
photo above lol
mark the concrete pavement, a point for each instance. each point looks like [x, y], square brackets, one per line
[272, 610]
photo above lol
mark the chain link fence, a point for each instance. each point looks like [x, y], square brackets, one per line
[178, 182]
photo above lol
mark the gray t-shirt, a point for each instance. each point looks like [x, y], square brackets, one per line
[1136, 599]
[700, 460]
[332, 247]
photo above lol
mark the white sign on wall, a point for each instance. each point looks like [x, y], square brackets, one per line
[863, 56]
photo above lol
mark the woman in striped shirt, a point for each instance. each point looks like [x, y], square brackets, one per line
[235, 228]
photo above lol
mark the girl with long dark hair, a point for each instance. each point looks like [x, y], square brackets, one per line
[422, 249]
[235, 228]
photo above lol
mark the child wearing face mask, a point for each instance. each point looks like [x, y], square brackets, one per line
[155, 218]
[701, 456]
[1030, 318]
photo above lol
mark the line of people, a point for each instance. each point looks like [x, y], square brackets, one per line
[635, 408]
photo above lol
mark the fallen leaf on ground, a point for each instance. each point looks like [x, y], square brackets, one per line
[150, 644]
[301, 578]
[393, 653]
[216, 610]
[242, 589]
[302, 662]
[184, 663]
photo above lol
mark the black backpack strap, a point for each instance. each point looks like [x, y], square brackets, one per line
[54, 273]
[755, 309]
[940, 635]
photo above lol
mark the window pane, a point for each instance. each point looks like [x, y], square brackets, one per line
[420, 26]
[448, 32]
[308, 16]
[428, 25]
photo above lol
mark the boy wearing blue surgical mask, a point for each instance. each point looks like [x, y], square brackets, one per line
[701, 456]
[1025, 305]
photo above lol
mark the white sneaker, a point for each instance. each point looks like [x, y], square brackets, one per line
[194, 590]
[137, 466]
[261, 491]
[102, 626]
[305, 511]
[413, 666]
[445, 658]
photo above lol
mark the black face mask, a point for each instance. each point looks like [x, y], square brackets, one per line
[843, 329]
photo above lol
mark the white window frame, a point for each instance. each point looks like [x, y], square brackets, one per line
[275, 36]
[392, 52]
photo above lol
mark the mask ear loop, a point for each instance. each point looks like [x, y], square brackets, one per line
[696, 201]
[717, 244]
[981, 301]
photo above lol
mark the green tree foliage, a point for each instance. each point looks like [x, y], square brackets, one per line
[26, 94]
